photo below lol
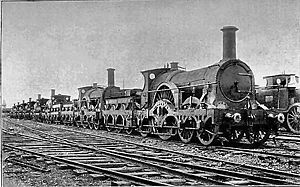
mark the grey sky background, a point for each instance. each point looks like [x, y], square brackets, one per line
[66, 45]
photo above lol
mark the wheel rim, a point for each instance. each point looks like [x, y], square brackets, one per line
[185, 134]
[293, 119]
[120, 124]
[168, 129]
[145, 131]
[96, 125]
[207, 134]
[90, 123]
[117, 130]
[109, 123]
[85, 124]
[129, 131]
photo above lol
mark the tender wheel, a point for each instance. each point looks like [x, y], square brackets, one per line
[186, 134]
[257, 135]
[293, 118]
[169, 128]
[208, 133]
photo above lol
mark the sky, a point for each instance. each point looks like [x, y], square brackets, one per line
[66, 45]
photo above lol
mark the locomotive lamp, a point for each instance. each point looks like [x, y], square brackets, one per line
[280, 117]
[237, 117]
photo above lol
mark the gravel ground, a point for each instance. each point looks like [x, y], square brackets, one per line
[59, 177]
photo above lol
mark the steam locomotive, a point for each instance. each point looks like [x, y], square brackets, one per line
[210, 103]
[282, 94]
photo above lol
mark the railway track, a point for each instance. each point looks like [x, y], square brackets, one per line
[288, 137]
[195, 169]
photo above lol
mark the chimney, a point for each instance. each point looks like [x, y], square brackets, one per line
[111, 77]
[174, 66]
[23, 101]
[18, 103]
[52, 92]
[94, 85]
[229, 44]
[39, 96]
[29, 99]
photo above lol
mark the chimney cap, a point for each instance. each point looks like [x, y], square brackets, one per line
[233, 28]
[111, 69]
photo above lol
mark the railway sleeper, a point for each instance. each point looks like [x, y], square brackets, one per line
[80, 171]
[98, 176]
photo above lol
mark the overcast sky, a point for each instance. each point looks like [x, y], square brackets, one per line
[66, 45]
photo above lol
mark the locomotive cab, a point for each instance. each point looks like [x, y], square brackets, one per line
[282, 93]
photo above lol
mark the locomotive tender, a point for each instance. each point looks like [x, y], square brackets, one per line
[207, 103]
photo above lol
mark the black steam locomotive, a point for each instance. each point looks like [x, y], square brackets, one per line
[209, 103]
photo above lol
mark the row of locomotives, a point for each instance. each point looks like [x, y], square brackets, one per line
[282, 95]
[212, 103]
[28, 110]
[120, 106]
[13, 111]
[54, 106]
[39, 109]
[87, 109]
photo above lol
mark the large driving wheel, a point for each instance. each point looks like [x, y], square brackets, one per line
[293, 118]
[208, 133]
[186, 130]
